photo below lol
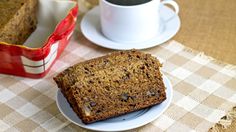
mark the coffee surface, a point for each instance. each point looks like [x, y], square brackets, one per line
[128, 2]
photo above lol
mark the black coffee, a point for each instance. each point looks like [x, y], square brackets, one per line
[128, 2]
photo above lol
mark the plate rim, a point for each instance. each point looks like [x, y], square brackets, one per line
[118, 45]
[168, 86]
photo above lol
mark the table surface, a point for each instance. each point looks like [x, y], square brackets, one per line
[203, 91]
[209, 26]
[207, 87]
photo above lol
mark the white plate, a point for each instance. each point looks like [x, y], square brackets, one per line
[90, 27]
[121, 123]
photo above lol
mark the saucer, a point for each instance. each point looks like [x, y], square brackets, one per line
[91, 29]
[123, 122]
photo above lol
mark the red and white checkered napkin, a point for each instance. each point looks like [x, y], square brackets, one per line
[204, 91]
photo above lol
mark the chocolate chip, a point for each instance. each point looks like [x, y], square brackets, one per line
[224, 117]
[86, 69]
[124, 97]
[98, 111]
[142, 67]
[32, 28]
[107, 88]
[92, 104]
[90, 81]
[129, 57]
[132, 97]
[132, 105]
[31, 22]
[147, 75]
[127, 74]
[106, 62]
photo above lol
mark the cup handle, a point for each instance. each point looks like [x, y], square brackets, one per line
[172, 3]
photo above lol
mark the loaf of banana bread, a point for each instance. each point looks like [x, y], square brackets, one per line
[17, 20]
[112, 85]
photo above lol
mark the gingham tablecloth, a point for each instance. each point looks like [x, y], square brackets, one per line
[204, 90]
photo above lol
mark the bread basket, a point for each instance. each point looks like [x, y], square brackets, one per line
[34, 58]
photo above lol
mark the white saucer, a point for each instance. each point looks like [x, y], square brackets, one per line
[90, 27]
[120, 123]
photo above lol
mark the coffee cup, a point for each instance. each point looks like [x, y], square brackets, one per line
[131, 21]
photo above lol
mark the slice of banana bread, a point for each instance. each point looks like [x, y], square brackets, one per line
[18, 20]
[112, 85]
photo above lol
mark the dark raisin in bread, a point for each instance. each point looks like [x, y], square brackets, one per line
[17, 20]
[112, 85]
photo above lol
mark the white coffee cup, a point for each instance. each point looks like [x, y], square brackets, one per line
[131, 24]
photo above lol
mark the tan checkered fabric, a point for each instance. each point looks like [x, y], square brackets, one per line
[204, 91]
